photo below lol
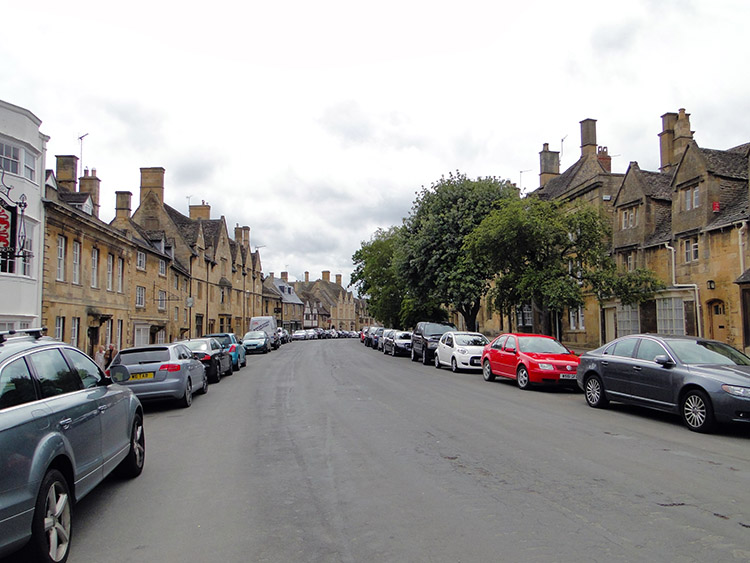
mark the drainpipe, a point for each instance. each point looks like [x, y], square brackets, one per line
[740, 245]
[694, 287]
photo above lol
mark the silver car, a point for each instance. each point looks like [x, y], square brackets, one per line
[163, 371]
[64, 426]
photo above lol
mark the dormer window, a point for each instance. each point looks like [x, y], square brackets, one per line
[629, 217]
[690, 198]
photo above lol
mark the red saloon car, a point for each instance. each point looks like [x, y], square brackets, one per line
[530, 359]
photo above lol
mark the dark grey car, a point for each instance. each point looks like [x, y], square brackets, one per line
[64, 426]
[704, 381]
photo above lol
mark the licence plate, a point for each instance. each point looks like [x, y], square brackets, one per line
[146, 375]
[474, 361]
[567, 376]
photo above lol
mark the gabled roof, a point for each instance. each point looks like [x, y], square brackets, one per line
[730, 164]
[187, 227]
[558, 185]
[733, 204]
[657, 185]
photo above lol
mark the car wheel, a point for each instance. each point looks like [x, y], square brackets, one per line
[236, 365]
[697, 411]
[244, 361]
[393, 352]
[437, 361]
[217, 372]
[187, 399]
[413, 356]
[594, 392]
[425, 360]
[454, 365]
[487, 371]
[230, 369]
[52, 523]
[204, 389]
[132, 465]
[522, 378]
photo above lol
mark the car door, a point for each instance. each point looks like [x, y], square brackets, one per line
[651, 383]
[74, 414]
[617, 366]
[494, 354]
[509, 357]
[445, 348]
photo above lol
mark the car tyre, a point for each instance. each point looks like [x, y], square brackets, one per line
[393, 351]
[522, 378]
[187, 399]
[487, 371]
[230, 370]
[132, 465]
[454, 365]
[236, 366]
[217, 371]
[204, 389]
[52, 523]
[697, 411]
[437, 361]
[425, 361]
[413, 356]
[593, 389]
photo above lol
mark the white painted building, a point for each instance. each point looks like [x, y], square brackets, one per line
[22, 169]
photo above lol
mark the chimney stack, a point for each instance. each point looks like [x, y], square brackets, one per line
[122, 205]
[602, 154]
[588, 137]
[285, 277]
[326, 275]
[682, 134]
[66, 174]
[152, 181]
[338, 279]
[549, 165]
[202, 211]
[307, 277]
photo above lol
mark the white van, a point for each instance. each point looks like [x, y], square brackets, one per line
[267, 325]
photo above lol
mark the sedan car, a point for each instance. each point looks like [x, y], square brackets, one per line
[212, 355]
[231, 344]
[399, 344]
[64, 427]
[256, 341]
[460, 350]
[704, 381]
[163, 371]
[529, 359]
[299, 335]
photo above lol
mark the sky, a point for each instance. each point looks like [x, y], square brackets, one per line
[316, 123]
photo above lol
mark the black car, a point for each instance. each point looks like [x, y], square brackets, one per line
[704, 381]
[425, 338]
[216, 359]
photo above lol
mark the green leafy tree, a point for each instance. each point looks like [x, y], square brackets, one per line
[432, 259]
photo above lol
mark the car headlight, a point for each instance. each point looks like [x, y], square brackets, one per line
[462, 351]
[736, 390]
[546, 366]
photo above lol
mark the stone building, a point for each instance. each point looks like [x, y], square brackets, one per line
[328, 304]
[290, 307]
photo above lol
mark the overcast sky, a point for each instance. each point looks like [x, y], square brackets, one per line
[315, 123]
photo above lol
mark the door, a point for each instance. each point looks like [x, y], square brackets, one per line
[494, 353]
[509, 357]
[610, 324]
[718, 320]
[651, 383]
[617, 366]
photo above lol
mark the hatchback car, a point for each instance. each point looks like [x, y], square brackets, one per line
[231, 344]
[424, 340]
[212, 355]
[704, 381]
[399, 344]
[163, 371]
[255, 342]
[64, 426]
[460, 350]
[530, 359]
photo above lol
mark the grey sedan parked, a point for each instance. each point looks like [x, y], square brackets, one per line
[163, 371]
[64, 426]
[704, 381]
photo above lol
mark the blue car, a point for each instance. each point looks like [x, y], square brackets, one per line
[231, 344]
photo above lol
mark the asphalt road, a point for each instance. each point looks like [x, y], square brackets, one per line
[326, 451]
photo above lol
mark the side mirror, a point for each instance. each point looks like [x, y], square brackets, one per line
[664, 360]
[118, 373]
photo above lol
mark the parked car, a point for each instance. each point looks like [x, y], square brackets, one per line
[386, 339]
[704, 381]
[268, 325]
[424, 340]
[256, 342]
[64, 426]
[398, 344]
[311, 334]
[231, 344]
[376, 336]
[284, 336]
[299, 335]
[368, 335]
[163, 371]
[460, 350]
[363, 333]
[530, 359]
[212, 355]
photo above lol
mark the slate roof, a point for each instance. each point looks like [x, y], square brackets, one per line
[558, 185]
[663, 231]
[733, 204]
[730, 164]
[658, 185]
[187, 227]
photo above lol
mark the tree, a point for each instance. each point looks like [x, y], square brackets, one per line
[549, 253]
[432, 259]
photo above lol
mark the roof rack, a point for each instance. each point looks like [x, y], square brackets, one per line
[37, 333]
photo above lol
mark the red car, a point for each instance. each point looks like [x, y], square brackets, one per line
[530, 359]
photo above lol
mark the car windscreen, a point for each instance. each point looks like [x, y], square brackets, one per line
[254, 335]
[198, 345]
[403, 336]
[152, 355]
[535, 345]
[433, 329]
[224, 339]
[470, 340]
[697, 352]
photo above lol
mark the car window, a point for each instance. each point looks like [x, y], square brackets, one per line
[136, 356]
[471, 340]
[498, 345]
[536, 345]
[623, 348]
[696, 352]
[649, 349]
[53, 373]
[510, 344]
[404, 336]
[434, 329]
[16, 386]
[87, 369]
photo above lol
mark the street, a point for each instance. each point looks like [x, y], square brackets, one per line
[327, 451]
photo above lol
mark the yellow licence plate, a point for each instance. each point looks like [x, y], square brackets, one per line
[147, 375]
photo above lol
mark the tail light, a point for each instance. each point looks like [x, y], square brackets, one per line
[205, 358]
[232, 348]
[169, 367]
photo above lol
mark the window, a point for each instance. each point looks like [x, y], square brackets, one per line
[629, 218]
[524, 316]
[87, 370]
[185, 317]
[176, 314]
[162, 267]
[649, 349]
[161, 336]
[76, 279]
[29, 166]
[200, 290]
[26, 258]
[141, 260]
[108, 332]
[690, 198]
[16, 385]
[140, 296]
[222, 295]
[110, 270]
[59, 328]
[691, 249]
[94, 267]
[176, 282]
[575, 317]
[120, 273]
[118, 342]
[627, 320]
[60, 258]
[670, 316]
[75, 327]
[10, 157]
[162, 300]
